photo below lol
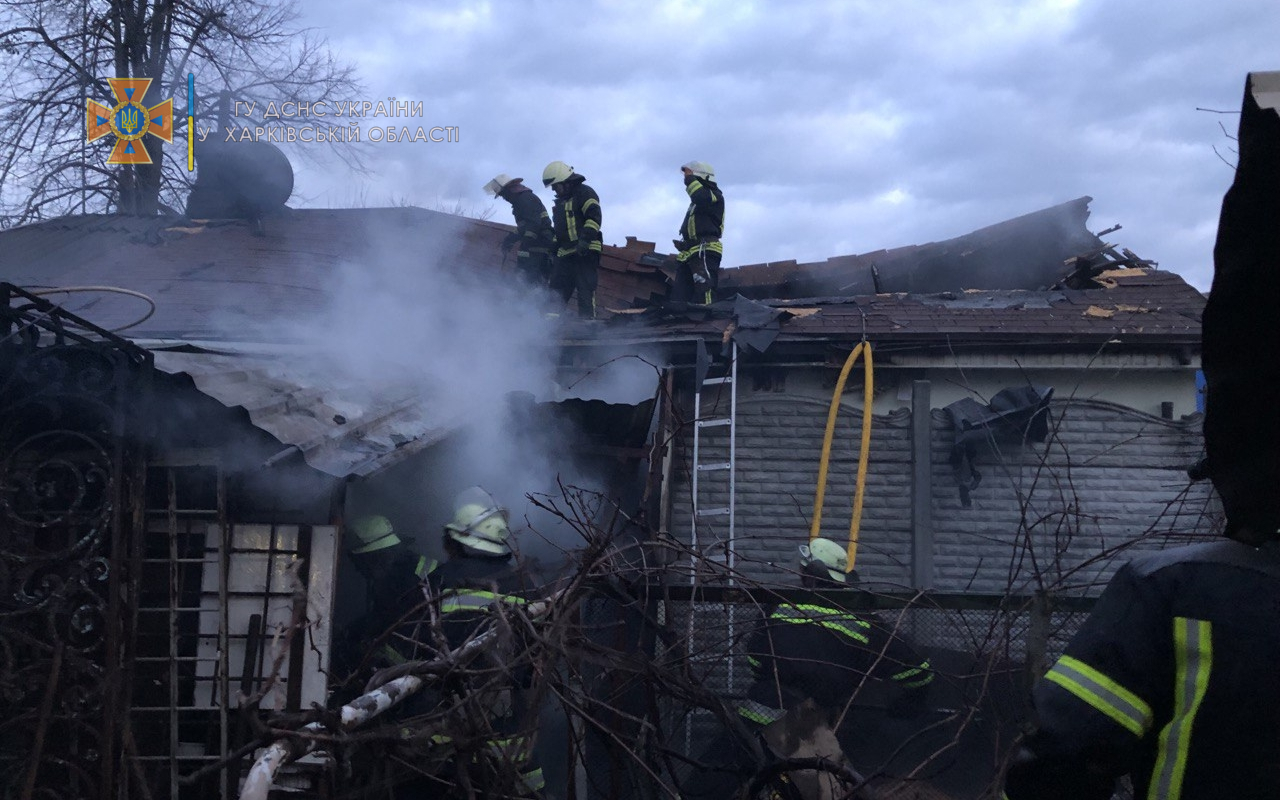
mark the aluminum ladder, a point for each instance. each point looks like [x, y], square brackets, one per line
[706, 474]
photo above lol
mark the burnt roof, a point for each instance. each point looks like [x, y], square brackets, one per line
[1027, 252]
[1130, 307]
[196, 269]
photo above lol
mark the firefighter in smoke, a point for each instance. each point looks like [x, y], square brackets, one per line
[480, 573]
[394, 577]
[699, 249]
[1171, 680]
[809, 661]
[576, 218]
[533, 238]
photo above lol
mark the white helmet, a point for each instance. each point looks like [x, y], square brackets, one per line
[828, 554]
[499, 183]
[479, 523]
[556, 172]
[702, 169]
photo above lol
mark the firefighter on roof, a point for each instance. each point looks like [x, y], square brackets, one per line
[699, 247]
[533, 236]
[576, 217]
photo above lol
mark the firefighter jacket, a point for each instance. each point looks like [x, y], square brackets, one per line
[394, 578]
[466, 588]
[826, 653]
[704, 221]
[1171, 680]
[577, 218]
[533, 226]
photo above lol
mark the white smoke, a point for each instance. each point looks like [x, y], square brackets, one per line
[417, 328]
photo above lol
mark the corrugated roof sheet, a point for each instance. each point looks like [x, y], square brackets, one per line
[324, 418]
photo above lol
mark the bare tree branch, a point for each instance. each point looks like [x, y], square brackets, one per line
[59, 54]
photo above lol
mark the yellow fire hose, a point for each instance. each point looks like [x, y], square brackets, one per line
[863, 348]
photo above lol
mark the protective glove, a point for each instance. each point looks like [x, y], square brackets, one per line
[509, 242]
[584, 247]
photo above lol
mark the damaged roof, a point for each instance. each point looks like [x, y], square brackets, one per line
[197, 270]
[200, 272]
[1026, 252]
[1126, 306]
[1004, 284]
[333, 425]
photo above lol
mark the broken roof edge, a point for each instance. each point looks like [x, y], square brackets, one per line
[1042, 239]
[1079, 206]
[299, 419]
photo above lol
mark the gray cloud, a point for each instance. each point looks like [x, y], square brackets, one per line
[835, 127]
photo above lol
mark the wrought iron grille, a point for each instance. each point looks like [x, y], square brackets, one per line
[69, 483]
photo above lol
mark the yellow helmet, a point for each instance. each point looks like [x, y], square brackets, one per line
[827, 553]
[556, 172]
[479, 523]
[374, 532]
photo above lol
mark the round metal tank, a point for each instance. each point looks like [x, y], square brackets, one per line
[242, 180]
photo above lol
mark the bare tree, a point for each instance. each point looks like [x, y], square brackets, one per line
[57, 55]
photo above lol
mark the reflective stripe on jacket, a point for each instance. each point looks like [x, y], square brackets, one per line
[454, 600]
[810, 650]
[577, 216]
[1171, 681]
[704, 220]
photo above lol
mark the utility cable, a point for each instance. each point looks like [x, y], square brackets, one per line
[111, 290]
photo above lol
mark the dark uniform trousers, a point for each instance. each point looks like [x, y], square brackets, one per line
[1171, 681]
[578, 272]
[698, 273]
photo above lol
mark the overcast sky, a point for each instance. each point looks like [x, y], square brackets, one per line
[834, 127]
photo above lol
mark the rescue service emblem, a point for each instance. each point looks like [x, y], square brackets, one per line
[129, 120]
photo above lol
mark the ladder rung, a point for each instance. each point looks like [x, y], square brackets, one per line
[713, 512]
[714, 423]
[714, 467]
[717, 381]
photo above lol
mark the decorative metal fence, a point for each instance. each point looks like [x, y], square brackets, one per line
[69, 478]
